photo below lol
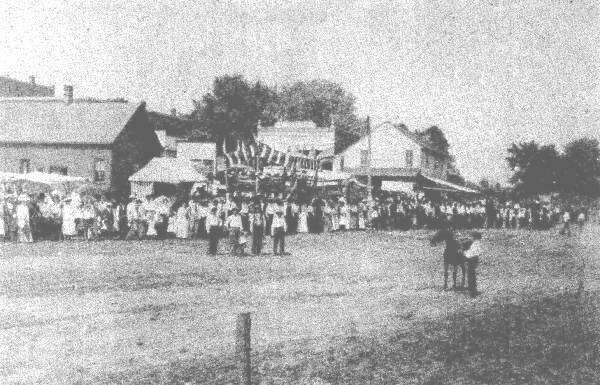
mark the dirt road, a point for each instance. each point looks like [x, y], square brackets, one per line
[87, 312]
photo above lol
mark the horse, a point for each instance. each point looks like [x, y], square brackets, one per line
[452, 255]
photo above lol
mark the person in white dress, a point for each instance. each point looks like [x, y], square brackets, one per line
[362, 216]
[335, 218]
[2, 225]
[69, 227]
[303, 220]
[153, 218]
[182, 224]
[23, 223]
[344, 215]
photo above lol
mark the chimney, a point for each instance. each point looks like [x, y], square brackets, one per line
[32, 80]
[68, 94]
[174, 112]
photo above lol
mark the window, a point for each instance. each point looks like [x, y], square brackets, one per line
[100, 170]
[58, 170]
[364, 158]
[409, 158]
[24, 166]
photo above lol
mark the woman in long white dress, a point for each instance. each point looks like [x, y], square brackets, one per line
[344, 222]
[362, 216]
[182, 223]
[69, 227]
[303, 220]
[335, 218]
[23, 223]
[2, 225]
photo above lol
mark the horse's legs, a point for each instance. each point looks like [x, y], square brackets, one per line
[445, 275]
[462, 267]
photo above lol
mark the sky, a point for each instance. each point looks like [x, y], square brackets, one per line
[488, 73]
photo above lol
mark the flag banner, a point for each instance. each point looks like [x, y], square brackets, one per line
[229, 159]
[238, 151]
[253, 150]
[245, 152]
[265, 150]
[226, 153]
[279, 157]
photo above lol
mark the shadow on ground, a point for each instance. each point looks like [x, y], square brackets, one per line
[544, 340]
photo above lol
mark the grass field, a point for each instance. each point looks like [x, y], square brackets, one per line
[353, 308]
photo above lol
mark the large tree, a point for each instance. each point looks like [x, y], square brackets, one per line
[436, 137]
[233, 108]
[323, 102]
[534, 166]
[581, 167]
[316, 100]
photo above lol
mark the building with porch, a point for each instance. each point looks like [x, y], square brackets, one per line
[397, 154]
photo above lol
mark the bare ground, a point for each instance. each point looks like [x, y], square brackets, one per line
[344, 308]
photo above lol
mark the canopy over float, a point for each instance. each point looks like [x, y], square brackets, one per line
[166, 171]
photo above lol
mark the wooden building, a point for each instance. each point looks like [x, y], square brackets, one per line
[301, 136]
[105, 142]
[397, 154]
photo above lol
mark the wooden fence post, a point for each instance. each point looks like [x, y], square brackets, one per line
[242, 342]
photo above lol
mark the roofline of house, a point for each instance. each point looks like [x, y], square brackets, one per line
[103, 145]
[53, 99]
[404, 132]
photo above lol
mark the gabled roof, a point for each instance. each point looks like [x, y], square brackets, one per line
[52, 121]
[404, 131]
[414, 137]
[168, 170]
[297, 135]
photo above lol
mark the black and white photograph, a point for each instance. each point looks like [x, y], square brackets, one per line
[303, 192]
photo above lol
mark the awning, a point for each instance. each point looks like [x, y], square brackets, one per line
[397, 186]
[40, 177]
[168, 170]
[450, 186]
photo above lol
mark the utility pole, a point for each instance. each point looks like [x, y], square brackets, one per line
[369, 181]
[256, 158]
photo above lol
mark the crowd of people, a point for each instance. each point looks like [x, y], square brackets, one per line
[241, 217]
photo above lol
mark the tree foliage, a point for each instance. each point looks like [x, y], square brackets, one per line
[535, 167]
[316, 100]
[437, 138]
[234, 107]
[541, 169]
[581, 167]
